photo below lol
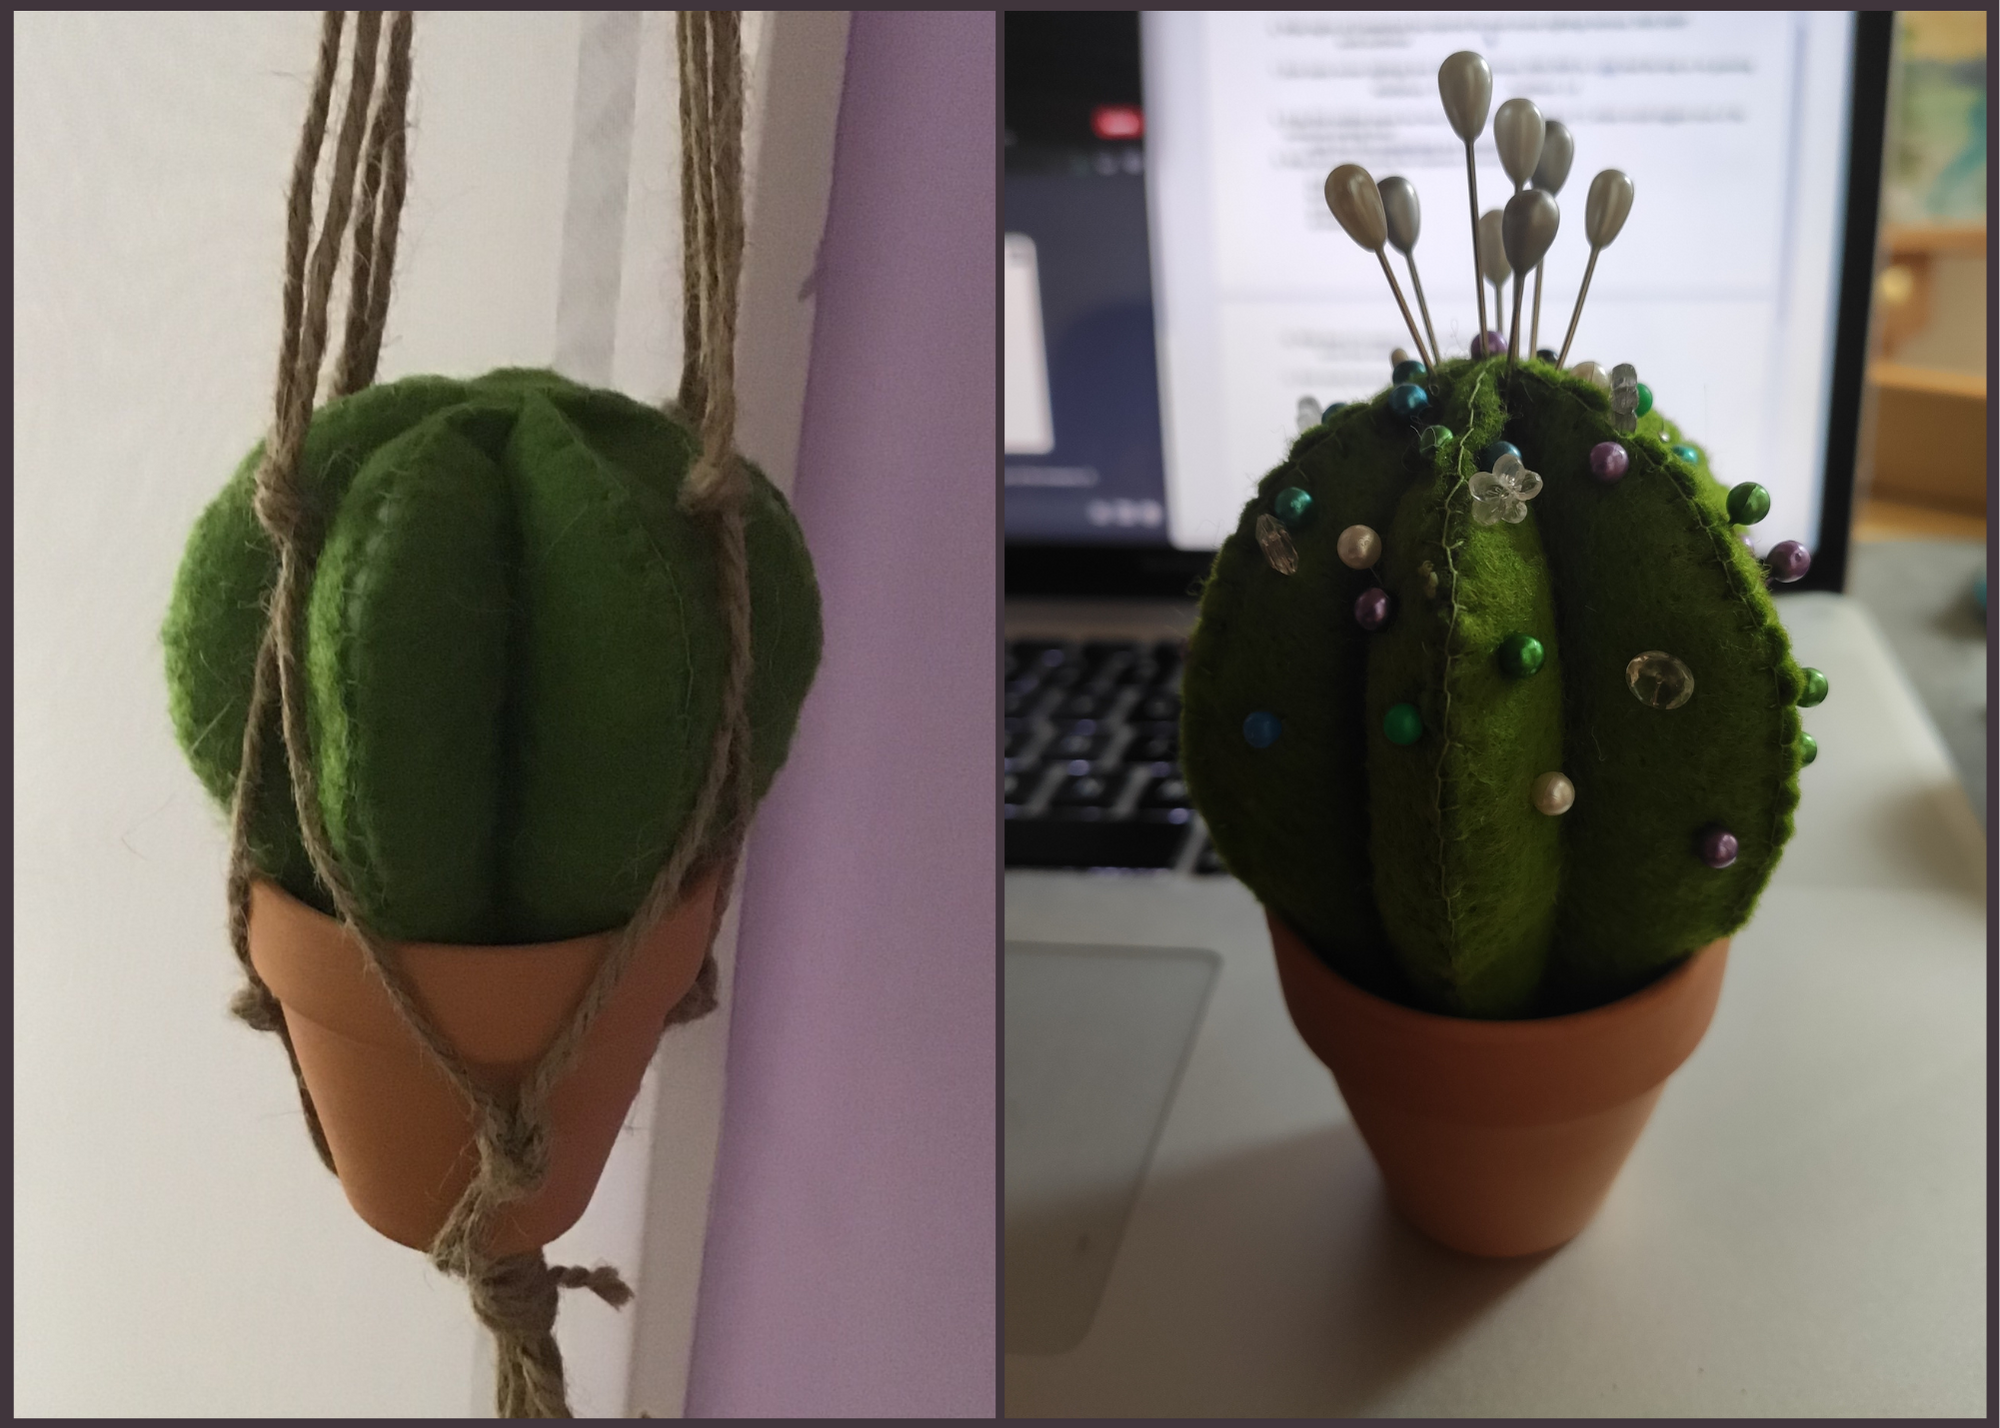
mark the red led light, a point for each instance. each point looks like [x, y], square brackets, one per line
[1117, 121]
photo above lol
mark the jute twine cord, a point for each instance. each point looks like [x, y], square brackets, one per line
[513, 1295]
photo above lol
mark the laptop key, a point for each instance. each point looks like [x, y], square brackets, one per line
[1057, 843]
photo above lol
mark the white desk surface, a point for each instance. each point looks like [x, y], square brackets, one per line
[1801, 1231]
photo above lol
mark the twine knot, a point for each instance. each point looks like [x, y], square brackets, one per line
[513, 1157]
[283, 510]
[254, 1005]
[713, 483]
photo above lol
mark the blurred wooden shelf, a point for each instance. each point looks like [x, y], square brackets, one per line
[1896, 520]
[1932, 381]
[1944, 240]
[1930, 438]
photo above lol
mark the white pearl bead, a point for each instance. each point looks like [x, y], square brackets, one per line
[1554, 794]
[1359, 547]
[1593, 373]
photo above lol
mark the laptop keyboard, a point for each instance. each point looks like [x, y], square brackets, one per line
[1091, 759]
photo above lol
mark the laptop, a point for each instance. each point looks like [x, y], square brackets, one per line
[1178, 306]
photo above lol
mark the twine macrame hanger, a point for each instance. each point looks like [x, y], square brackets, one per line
[514, 1295]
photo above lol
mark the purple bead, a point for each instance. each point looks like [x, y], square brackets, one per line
[1371, 609]
[1718, 847]
[1490, 344]
[1788, 561]
[1608, 461]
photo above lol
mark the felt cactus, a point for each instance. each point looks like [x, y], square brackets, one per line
[1375, 770]
[512, 649]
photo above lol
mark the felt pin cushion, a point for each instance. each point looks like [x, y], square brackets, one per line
[1528, 739]
[512, 649]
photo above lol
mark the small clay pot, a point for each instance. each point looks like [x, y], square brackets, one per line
[1498, 1138]
[401, 1135]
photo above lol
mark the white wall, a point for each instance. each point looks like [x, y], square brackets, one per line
[178, 1248]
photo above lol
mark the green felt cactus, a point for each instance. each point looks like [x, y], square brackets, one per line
[513, 653]
[1383, 789]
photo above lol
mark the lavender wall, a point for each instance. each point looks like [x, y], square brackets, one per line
[851, 1263]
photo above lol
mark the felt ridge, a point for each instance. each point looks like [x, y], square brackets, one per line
[1221, 683]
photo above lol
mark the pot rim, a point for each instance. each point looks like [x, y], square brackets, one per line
[1535, 1071]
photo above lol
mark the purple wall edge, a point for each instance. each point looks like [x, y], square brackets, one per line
[852, 1253]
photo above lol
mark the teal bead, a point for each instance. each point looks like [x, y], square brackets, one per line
[1495, 451]
[1408, 401]
[1327, 415]
[1815, 690]
[1808, 749]
[1261, 729]
[1408, 370]
[1645, 399]
[1521, 655]
[1293, 507]
[1688, 454]
[1749, 503]
[1403, 724]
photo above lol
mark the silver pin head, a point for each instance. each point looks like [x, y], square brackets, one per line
[1465, 84]
[1405, 214]
[1517, 134]
[1352, 197]
[1528, 226]
[1558, 152]
[1610, 202]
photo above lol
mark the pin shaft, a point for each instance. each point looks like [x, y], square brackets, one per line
[1535, 326]
[1437, 352]
[1408, 321]
[1582, 293]
[1472, 192]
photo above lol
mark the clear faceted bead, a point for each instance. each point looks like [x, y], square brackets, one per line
[1278, 547]
[1514, 510]
[1487, 513]
[1490, 485]
[1528, 484]
[1309, 414]
[1659, 681]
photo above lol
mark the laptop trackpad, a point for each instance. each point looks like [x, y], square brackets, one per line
[1095, 1041]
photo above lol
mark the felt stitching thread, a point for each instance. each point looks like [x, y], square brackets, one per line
[1446, 893]
[514, 1295]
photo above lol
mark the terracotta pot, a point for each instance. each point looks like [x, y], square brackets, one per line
[401, 1135]
[1499, 1138]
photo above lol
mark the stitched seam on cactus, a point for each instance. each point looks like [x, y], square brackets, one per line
[1446, 891]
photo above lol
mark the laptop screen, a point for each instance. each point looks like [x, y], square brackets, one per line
[1177, 297]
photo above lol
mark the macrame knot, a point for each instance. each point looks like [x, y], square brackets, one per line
[254, 1005]
[513, 1157]
[712, 485]
[515, 1296]
[284, 513]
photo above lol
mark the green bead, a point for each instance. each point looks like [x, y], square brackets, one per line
[1645, 399]
[1815, 690]
[1748, 503]
[1808, 749]
[1687, 454]
[1293, 507]
[1432, 437]
[1403, 724]
[1521, 655]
